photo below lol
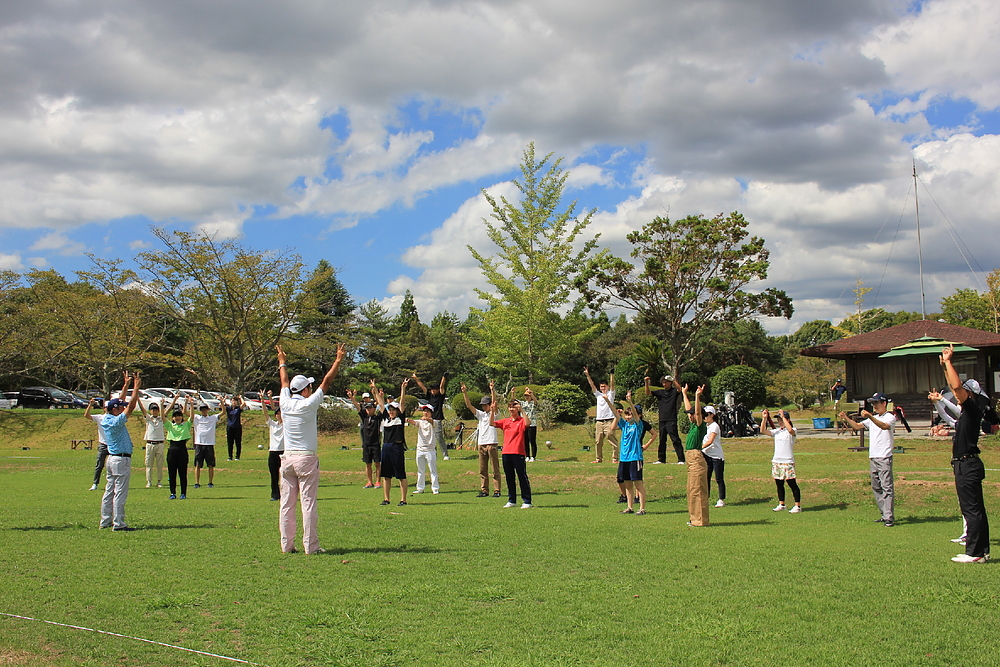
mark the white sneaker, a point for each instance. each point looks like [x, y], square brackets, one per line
[417, 491]
[436, 492]
[508, 505]
[93, 487]
[656, 463]
[446, 458]
[795, 510]
[721, 503]
[682, 463]
[779, 508]
[526, 506]
[965, 558]
[148, 485]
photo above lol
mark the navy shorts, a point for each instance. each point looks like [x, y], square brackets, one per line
[393, 463]
[204, 454]
[371, 453]
[629, 471]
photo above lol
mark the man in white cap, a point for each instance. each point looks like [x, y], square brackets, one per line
[300, 464]
[119, 463]
[881, 427]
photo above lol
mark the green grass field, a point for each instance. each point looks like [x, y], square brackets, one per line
[456, 580]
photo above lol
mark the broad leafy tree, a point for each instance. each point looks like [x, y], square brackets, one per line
[687, 275]
[540, 250]
[234, 304]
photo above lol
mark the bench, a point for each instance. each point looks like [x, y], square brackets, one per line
[87, 444]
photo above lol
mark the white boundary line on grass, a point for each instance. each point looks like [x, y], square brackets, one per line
[138, 639]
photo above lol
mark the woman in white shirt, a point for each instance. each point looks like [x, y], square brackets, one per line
[715, 458]
[783, 461]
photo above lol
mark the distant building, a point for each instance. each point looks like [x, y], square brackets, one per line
[906, 380]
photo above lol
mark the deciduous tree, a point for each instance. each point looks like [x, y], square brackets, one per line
[688, 274]
[540, 252]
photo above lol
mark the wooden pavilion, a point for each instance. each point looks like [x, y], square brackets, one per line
[906, 380]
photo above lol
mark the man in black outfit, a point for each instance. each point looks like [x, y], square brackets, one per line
[968, 467]
[666, 400]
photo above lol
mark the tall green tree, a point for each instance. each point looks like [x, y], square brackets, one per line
[688, 275]
[540, 252]
[971, 308]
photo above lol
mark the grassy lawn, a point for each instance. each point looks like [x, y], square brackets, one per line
[456, 580]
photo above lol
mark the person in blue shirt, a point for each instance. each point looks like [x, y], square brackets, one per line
[119, 463]
[630, 452]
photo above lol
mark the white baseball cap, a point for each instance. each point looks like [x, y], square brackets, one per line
[300, 382]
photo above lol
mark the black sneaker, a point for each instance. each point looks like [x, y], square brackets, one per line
[496, 494]
[482, 494]
[124, 529]
[622, 499]
[402, 503]
[384, 502]
[637, 499]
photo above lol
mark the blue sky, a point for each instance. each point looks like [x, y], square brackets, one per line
[363, 133]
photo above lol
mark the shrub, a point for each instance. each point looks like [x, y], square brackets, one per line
[336, 420]
[568, 402]
[629, 374]
[458, 404]
[745, 382]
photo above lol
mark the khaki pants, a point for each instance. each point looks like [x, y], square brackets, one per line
[488, 453]
[605, 429]
[697, 487]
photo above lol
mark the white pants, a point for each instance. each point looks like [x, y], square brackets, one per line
[427, 459]
[119, 471]
[154, 457]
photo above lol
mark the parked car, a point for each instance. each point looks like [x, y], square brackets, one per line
[258, 397]
[79, 400]
[94, 394]
[147, 397]
[337, 402]
[12, 397]
[45, 397]
[211, 398]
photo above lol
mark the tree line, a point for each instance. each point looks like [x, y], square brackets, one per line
[207, 313]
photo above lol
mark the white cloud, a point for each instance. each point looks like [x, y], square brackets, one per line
[11, 262]
[139, 245]
[59, 242]
[949, 48]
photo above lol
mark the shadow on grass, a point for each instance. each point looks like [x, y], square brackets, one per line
[828, 506]
[754, 522]
[200, 497]
[66, 526]
[752, 501]
[930, 519]
[179, 526]
[402, 549]
[558, 506]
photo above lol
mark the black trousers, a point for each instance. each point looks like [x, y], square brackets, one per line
[513, 464]
[274, 467]
[969, 476]
[177, 465]
[669, 429]
[718, 466]
[530, 442]
[234, 436]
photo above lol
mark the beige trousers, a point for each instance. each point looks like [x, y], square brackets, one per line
[697, 487]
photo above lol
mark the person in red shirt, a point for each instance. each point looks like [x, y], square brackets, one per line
[513, 428]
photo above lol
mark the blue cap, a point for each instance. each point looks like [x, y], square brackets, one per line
[116, 403]
[879, 397]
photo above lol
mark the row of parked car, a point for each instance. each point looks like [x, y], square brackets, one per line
[53, 398]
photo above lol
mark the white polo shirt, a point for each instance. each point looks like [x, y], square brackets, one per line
[881, 441]
[299, 416]
[603, 410]
[487, 434]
